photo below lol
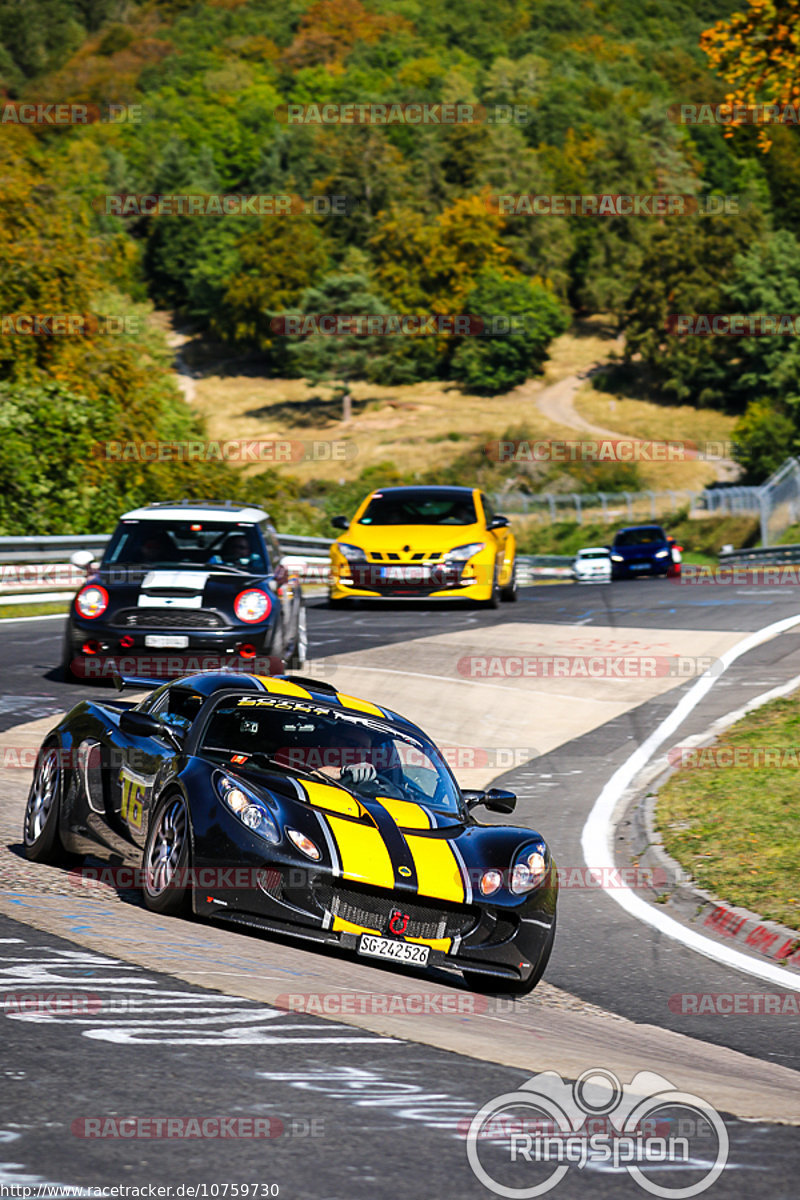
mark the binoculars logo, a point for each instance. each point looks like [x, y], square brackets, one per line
[521, 1144]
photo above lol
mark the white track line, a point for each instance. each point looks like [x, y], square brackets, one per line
[597, 836]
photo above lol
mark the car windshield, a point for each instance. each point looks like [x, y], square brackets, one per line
[584, 554]
[640, 537]
[186, 545]
[304, 737]
[420, 508]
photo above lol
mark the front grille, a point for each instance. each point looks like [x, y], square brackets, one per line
[374, 910]
[167, 618]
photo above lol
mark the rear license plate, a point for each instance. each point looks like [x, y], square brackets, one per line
[158, 641]
[379, 947]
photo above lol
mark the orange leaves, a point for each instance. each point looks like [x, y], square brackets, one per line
[756, 52]
[330, 28]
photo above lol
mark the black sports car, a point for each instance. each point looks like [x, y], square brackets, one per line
[279, 803]
[186, 587]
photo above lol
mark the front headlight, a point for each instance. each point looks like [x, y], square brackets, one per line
[249, 808]
[529, 869]
[353, 554]
[617, 558]
[662, 553]
[461, 553]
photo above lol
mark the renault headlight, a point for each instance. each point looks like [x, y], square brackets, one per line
[461, 553]
[353, 554]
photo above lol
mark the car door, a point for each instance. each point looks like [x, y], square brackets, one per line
[147, 762]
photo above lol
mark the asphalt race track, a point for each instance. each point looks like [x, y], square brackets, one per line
[183, 1020]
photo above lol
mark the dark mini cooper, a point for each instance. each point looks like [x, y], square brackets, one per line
[186, 587]
[640, 550]
[281, 804]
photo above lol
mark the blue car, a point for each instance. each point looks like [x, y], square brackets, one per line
[640, 550]
[182, 588]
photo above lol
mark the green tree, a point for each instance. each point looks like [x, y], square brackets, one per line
[764, 437]
[339, 359]
[520, 320]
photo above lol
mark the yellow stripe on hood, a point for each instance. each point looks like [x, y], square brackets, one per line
[334, 799]
[438, 872]
[362, 852]
[405, 813]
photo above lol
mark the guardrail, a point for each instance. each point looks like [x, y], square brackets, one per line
[765, 556]
[43, 582]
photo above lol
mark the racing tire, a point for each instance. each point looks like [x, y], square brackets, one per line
[296, 659]
[40, 835]
[166, 862]
[513, 987]
[510, 593]
[338, 603]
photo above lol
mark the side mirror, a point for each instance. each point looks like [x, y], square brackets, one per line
[498, 522]
[496, 799]
[500, 801]
[82, 559]
[340, 523]
[139, 724]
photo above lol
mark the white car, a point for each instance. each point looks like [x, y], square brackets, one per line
[592, 565]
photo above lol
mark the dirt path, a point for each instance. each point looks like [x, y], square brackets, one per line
[557, 402]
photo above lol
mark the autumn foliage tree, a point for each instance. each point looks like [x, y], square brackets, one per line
[757, 53]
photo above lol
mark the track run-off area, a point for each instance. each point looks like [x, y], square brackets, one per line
[365, 1077]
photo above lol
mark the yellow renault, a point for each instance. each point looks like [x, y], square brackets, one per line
[413, 543]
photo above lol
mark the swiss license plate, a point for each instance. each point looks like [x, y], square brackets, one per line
[379, 947]
[159, 641]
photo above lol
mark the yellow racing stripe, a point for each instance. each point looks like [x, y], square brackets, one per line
[362, 852]
[405, 813]
[334, 799]
[438, 872]
[363, 706]
[282, 687]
